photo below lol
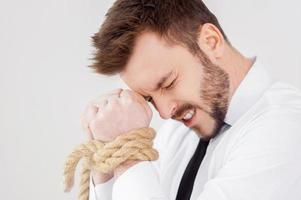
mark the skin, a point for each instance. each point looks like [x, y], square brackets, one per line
[111, 115]
[206, 85]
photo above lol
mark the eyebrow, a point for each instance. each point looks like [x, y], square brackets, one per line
[162, 81]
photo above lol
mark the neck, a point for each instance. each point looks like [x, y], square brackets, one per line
[237, 66]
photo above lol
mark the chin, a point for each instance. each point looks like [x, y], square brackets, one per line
[201, 134]
[207, 135]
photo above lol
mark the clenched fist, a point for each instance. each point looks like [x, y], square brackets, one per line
[115, 113]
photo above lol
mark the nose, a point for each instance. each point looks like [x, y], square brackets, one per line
[165, 106]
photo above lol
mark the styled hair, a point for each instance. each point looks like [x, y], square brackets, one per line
[177, 21]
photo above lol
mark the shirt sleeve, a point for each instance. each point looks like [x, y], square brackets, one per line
[139, 182]
[142, 180]
[101, 191]
[263, 163]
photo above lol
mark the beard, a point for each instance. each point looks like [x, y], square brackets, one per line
[214, 93]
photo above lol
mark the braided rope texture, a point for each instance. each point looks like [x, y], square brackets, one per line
[106, 156]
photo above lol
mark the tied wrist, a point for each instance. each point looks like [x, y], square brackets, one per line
[124, 166]
[99, 177]
[133, 145]
[110, 157]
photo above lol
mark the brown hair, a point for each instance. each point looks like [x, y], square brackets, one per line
[177, 21]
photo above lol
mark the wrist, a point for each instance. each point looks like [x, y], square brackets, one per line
[99, 177]
[124, 166]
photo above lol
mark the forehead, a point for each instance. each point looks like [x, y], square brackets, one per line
[151, 59]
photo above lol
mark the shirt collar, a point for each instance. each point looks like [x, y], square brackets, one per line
[252, 87]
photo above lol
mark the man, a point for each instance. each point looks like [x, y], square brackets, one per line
[232, 132]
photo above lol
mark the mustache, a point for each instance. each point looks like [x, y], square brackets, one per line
[182, 110]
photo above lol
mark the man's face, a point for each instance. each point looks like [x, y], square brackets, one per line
[188, 84]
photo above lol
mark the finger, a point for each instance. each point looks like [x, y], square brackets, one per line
[116, 91]
[90, 112]
[88, 131]
[115, 97]
[126, 95]
[113, 101]
[104, 102]
[129, 95]
[103, 99]
[85, 127]
[149, 111]
[144, 103]
[100, 104]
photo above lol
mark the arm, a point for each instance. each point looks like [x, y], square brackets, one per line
[146, 173]
[130, 175]
[101, 186]
[137, 181]
[264, 163]
[102, 125]
[99, 121]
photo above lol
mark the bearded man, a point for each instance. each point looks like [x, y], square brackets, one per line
[231, 131]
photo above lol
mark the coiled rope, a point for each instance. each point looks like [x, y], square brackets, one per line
[106, 156]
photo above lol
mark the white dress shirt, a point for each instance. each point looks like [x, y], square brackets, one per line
[257, 158]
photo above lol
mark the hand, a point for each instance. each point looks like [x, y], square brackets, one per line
[105, 119]
[115, 113]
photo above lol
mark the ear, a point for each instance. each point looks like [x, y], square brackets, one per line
[211, 40]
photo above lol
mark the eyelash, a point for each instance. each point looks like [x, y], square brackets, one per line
[149, 99]
[169, 86]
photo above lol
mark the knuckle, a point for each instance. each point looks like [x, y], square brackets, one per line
[113, 102]
[116, 91]
[128, 100]
[103, 102]
[92, 124]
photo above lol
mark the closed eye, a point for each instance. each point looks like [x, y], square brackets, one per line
[150, 99]
[170, 85]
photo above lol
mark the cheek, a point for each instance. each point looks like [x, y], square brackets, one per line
[190, 83]
[189, 91]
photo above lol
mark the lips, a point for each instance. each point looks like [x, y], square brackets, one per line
[188, 115]
[189, 122]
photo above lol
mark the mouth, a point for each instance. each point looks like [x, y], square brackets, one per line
[189, 117]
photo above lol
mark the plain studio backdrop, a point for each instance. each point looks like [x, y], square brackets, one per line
[45, 83]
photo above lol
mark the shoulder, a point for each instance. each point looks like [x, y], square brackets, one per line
[279, 110]
[269, 132]
[283, 94]
[282, 110]
[275, 131]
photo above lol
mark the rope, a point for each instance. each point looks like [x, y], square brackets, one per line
[106, 156]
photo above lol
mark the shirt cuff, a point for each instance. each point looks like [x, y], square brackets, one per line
[101, 191]
[139, 182]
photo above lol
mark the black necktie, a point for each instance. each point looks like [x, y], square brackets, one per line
[187, 181]
[186, 184]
